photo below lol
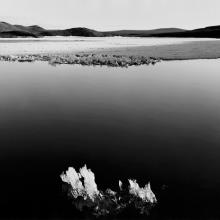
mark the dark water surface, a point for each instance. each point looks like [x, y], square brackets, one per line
[153, 123]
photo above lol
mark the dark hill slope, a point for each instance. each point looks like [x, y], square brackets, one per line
[143, 33]
[208, 32]
[85, 32]
[37, 30]
[8, 30]
[14, 34]
[6, 27]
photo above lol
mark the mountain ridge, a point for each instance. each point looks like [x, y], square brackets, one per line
[12, 31]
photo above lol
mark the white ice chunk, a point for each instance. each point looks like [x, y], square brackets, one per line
[89, 182]
[82, 183]
[73, 178]
[120, 184]
[145, 193]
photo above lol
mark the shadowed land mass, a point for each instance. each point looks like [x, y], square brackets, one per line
[10, 31]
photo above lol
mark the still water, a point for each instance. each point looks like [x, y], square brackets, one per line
[152, 123]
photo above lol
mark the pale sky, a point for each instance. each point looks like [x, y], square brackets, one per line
[112, 14]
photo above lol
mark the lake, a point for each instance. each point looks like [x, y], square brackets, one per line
[153, 123]
[10, 46]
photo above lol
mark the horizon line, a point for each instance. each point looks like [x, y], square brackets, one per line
[123, 29]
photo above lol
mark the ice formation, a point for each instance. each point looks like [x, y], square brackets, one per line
[83, 190]
[73, 178]
[145, 193]
[82, 183]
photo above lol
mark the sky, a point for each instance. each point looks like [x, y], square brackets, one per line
[112, 14]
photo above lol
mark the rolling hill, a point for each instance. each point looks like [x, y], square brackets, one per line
[143, 33]
[9, 30]
[207, 32]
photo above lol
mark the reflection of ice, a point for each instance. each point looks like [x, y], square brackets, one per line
[82, 188]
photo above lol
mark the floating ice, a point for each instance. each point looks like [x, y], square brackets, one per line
[82, 183]
[82, 188]
[73, 178]
[145, 193]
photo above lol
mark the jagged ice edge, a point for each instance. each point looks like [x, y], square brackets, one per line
[83, 185]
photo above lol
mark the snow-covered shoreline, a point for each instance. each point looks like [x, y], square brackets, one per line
[52, 45]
